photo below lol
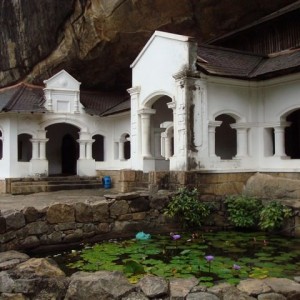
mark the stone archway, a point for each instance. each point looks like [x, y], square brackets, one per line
[161, 114]
[62, 150]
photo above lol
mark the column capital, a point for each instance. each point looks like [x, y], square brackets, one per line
[214, 124]
[146, 111]
[282, 125]
[171, 105]
[134, 90]
[186, 73]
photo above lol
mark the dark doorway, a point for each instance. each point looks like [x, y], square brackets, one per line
[225, 138]
[62, 149]
[68, 155]
[292, 135]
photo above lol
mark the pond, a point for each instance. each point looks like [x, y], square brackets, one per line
[210, 257]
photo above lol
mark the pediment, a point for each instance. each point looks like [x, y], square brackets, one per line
[62, 81]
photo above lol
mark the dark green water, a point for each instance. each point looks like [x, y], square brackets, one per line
[236, 256]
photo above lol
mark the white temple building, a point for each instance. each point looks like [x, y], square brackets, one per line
[192, 107]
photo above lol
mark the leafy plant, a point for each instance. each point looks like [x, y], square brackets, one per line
[273, 215]
[243, 211]
[188, 209]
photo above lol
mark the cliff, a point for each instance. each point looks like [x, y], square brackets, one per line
[97, 40]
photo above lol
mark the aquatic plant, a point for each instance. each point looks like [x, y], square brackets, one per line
[273, 215]
[243, 211]
[209, 259]
[188, 209]
[279, 257]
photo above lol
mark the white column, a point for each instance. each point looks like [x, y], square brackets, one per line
[241, 139]
[43, 148]
[146, 130]
[279, 132]
[121, 150]
[76, 102]
[35, 148]
[89, 149]
[82, 154]
[212, 137]
[163, 144]
[135, 134]
[168, 149]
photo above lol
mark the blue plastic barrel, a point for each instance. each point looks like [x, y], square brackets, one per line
[106, 181]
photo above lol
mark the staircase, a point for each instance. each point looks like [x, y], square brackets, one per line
[17, 186]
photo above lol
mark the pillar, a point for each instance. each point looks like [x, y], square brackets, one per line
[43, 148]
[89, 149]
[242, 139]
[81, 149]
[146, 131]
[279, 133]
[35, 148]
[212, 137]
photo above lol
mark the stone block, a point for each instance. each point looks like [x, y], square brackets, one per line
[30, 242]
[60, 213]
[126, 217]
[103, 228]
[138, 216]
[14, 219]
[36, 228]
[65, 226]
[2, 225]
[83, 212]
[100, 212]
[139, 204]
[31, 214]
[119, 208]
[127, 175]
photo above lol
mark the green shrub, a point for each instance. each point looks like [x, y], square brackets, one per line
[188, 209]
[273, 215]
[243, 211]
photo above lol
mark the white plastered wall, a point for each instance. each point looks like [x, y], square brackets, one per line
[152, 77]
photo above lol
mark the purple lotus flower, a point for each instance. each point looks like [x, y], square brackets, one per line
[176, 237]
[209, 258]
[236, 267]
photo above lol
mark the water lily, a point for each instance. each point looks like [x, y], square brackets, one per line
[236, 267]
[176, 237]
[209, 258]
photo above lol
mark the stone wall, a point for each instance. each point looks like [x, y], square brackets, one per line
[22, 277]
[2, 187]
[207, 183]
[111, 216]
[92, 220]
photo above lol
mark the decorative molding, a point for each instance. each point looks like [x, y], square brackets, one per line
[134, 90]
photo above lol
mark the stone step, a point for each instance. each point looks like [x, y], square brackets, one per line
[31, 189]
[49, 184]
[61, 182]
[54, 178]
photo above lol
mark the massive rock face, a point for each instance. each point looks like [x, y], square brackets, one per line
[97, 40]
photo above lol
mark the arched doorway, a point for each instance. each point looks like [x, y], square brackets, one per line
[68, 155]
[24, 147]
[226, 144]
[62, 150]
[163, 114]
[292, 135]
